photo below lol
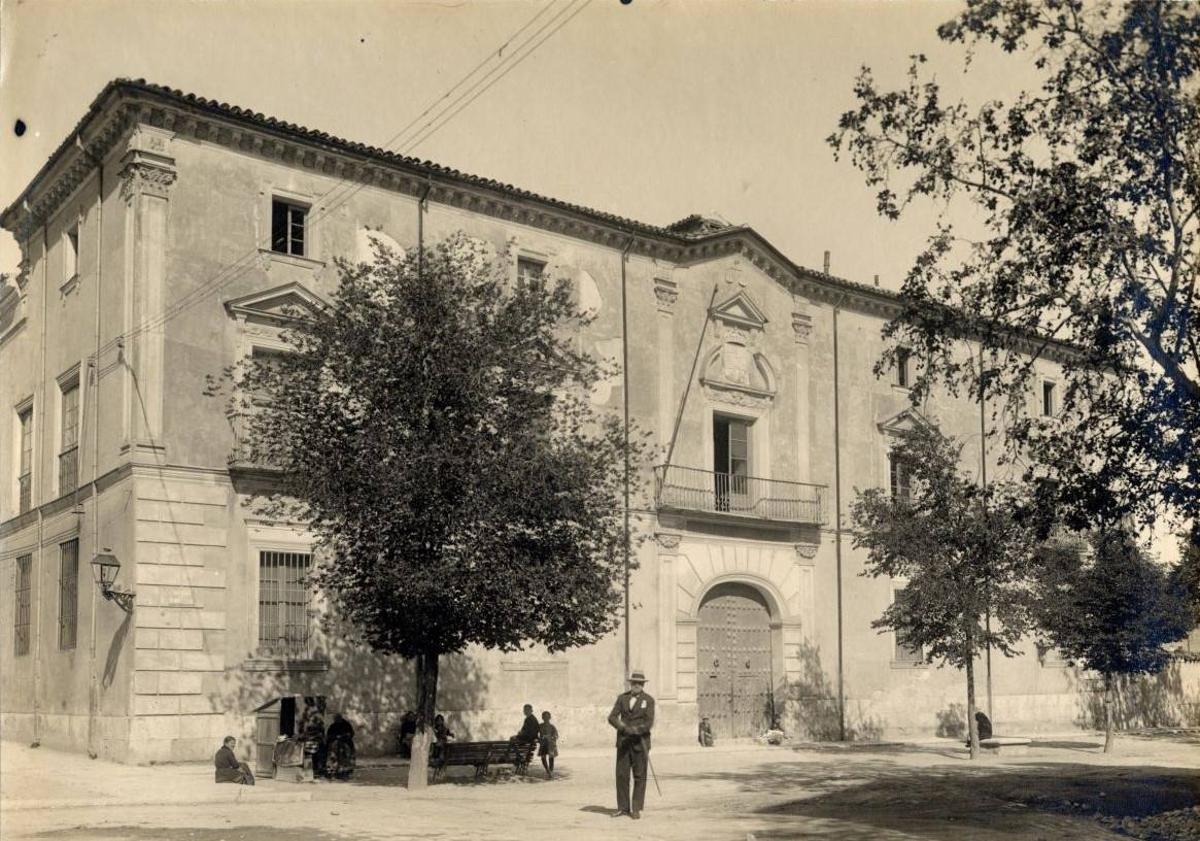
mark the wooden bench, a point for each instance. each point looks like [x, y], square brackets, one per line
[481, 755]
[1004, 744]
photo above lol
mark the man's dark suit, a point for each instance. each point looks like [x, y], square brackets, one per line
[633, 717]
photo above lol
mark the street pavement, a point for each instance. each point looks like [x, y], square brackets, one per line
[1062, 788]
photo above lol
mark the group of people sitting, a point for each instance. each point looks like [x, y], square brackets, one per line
[329, 752]
[543, 734]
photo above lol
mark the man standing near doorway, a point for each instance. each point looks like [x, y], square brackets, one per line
[633, 717]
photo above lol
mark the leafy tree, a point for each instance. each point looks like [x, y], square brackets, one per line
[434, 427]
[1079, 206]
[1110, 610]
[963, 551]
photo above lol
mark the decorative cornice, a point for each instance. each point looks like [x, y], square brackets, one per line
[125, 103]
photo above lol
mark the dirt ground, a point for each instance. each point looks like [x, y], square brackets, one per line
[1061, 789]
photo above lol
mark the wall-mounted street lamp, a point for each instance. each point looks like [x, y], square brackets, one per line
[105, 566]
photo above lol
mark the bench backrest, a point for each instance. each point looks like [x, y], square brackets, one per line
[467, 753]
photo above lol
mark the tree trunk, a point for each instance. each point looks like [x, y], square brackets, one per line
[427, 679]
[1108, 713]
[972, 725]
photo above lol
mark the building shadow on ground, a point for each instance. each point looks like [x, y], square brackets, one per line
[950, 803]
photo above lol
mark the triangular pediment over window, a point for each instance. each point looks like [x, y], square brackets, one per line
[906, 420]
[277, 306]
[740, 310]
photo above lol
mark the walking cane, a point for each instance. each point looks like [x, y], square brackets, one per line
[651, 764]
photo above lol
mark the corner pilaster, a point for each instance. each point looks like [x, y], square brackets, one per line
[147, 174]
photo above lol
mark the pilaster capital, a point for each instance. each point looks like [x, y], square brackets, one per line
[666, 292]
[148, 178]
[667, 540]
[802, 325]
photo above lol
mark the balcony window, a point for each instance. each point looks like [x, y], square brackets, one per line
[731, 461]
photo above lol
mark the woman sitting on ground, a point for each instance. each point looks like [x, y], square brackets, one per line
[229, 770]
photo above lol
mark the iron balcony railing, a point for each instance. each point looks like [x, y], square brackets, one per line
[25, 492]
[68, 471]
[690, 489]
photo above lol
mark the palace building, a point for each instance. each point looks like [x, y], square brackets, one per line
[169, 236]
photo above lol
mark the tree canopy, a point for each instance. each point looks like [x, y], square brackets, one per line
[1111, 609]
[961, 550]
[433, 425]
[1080, 200]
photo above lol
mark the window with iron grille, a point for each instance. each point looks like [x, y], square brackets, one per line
[898, 477]
[68, 593]
[529, 270]
[284, 612]
[904, 653]
[68, 458]
[287, 227]
[21, 605]
[25, 470]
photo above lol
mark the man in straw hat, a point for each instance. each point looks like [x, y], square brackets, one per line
[632, 716]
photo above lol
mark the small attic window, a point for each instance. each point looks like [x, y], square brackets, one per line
[903, 366]
[71, 253]
[1049, 398]
[288, 227]
[528, 271]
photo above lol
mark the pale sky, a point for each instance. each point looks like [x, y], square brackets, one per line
[652, 111]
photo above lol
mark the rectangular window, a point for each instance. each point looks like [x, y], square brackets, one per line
[1049, 399]
[21, 605]
[68, 593]
[284, 613]
[71, 253]
[25, 466]
[68, 458]
[287, 227]
[529, 270]
[898, 478]
[731, 462]
[905, 653]
[903, 361]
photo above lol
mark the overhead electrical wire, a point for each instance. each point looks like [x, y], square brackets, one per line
[503, 65]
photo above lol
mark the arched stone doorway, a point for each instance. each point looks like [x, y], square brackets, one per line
[736, 660]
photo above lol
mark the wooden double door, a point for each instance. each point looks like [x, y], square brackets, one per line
[736, 661]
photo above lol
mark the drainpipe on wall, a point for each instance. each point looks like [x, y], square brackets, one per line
[36, 486]
[94, 368]
[837, 520]
[625, 401]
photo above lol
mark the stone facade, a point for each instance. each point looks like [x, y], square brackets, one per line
[170, 200]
